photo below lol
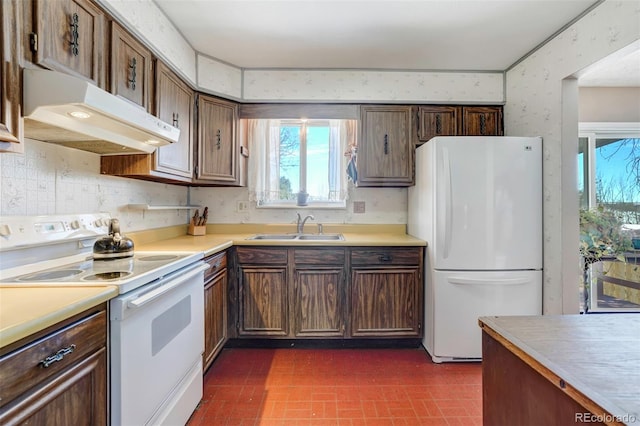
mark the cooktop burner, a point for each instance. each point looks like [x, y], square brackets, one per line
[157, 257]
[51, 275]
[126, 273]
[106, 276]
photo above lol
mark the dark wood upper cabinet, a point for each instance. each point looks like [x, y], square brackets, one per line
[437, 121]
[482, 121]
[455, 120]
[69, 37]
[217, 141]
[175, 104]
[385, 146]
[131, 67]
[10, 82]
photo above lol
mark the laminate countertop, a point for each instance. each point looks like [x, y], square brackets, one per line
[27, 310]
[595, 358]
[221, 237]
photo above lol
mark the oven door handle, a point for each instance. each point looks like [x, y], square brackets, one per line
[150, 296]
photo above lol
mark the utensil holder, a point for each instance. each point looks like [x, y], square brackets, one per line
[197, 230]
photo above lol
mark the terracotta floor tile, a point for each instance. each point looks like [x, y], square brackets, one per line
[334, 387]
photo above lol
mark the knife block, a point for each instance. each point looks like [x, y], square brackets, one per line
[197, 230]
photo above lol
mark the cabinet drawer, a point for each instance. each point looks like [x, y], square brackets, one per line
[319, 256]
[269, 255]
[386, 256]
[24, 368]
[217, 263]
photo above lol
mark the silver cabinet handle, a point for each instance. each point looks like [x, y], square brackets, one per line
[58, 356]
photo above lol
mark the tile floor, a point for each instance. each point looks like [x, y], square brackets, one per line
[338, 387]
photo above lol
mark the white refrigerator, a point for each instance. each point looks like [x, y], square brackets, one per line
[477, 201]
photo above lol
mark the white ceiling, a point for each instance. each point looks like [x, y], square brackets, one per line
[470, 35]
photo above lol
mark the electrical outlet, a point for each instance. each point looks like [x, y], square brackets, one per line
[358, 206]
[242, 206]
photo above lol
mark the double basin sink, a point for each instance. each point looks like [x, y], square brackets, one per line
[297, 237]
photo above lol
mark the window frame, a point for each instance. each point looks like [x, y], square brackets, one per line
[304, 124]
[593, 131]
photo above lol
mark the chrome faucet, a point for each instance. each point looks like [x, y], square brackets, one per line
[301, 222]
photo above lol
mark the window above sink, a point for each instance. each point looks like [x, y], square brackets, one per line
[300, 163]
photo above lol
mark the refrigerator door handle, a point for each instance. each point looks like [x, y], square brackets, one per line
[448, 211]
[496, 281]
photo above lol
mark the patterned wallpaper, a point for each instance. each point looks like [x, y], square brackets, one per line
[50, 179]
[372, 86]
[211, 75]
[534, 107]
[216, 77]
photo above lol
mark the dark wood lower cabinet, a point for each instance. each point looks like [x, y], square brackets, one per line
[319, 307]
[263, 302]
[215, 308]
[385, 302]
[72, 390]
[308, 293]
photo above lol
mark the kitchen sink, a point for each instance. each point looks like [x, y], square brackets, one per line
[321, 237]
[273, 237]
[297, 237]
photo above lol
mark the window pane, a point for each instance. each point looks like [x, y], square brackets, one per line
[583, 168]
[317, 159]
[289, 161]
[617, 184]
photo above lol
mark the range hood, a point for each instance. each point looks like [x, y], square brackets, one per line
[70, 111]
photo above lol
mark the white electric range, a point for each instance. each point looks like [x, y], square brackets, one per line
[157, 320]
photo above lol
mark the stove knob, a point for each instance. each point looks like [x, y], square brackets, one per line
[5, 231]
[98, 223]
[75, 224]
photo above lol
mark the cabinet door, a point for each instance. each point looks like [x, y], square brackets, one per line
[319, 302]
[385, 302]
[217, 142]
[436, 121]
[385, 150]
[10, 82]
[130, 67]
[263, 301]
[482, 121]
[215, 317]
[175, 105]
[78, 396]
[59, 376]
[70, 38]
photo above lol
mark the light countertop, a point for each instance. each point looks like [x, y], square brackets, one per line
[221, 237]
[597, 355]
[27, 310]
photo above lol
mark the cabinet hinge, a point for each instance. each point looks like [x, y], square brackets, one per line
[33, 42]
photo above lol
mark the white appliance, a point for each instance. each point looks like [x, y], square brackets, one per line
[477, 201]
[67, 110]
[156, 322]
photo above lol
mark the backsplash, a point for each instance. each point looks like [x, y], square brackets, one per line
[49, 179]
[382, 205]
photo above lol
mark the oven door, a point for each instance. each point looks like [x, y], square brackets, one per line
[157, 340]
